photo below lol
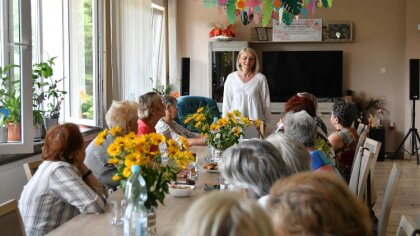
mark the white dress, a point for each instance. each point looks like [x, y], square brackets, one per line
[252, 98]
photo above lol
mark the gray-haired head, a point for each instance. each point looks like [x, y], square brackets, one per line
[253, 165]
[169, 100]
[292, 151]
[301, 126]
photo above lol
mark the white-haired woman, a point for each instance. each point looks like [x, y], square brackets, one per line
[172, 130]
[253, 166]
[151, 109]
[122, 114]
[225, 213]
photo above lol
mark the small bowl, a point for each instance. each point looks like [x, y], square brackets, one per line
[181, 190]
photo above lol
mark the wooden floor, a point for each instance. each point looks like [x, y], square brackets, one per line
[407, 198]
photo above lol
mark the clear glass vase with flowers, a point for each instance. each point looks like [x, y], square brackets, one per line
[129, 150]
[224, 132]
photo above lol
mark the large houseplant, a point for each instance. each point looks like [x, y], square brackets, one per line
[51, 93]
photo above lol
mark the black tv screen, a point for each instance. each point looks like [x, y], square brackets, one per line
[316, 72]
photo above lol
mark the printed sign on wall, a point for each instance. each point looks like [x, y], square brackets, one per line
[300, 30]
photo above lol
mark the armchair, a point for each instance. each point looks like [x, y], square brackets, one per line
[189, 104]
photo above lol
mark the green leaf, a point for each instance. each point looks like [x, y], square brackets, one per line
[293, 6]
[230, 10]
[287, 18]
[267, 12]
[325, 3]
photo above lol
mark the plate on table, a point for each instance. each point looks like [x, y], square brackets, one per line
[211, 167]
[181, 190]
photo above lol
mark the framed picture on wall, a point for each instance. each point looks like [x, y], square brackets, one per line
[262, 34]
[340, 31]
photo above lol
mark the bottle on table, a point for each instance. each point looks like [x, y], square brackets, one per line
[135, 216]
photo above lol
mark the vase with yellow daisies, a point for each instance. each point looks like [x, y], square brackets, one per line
[128, 150]
[222, 133]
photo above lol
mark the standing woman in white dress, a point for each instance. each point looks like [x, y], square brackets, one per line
[246, 89]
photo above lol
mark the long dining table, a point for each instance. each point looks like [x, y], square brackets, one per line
[168, 215]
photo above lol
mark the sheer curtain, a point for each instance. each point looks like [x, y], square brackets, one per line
[131, 50]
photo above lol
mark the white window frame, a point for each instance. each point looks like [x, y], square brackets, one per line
[26, 144]
[97, 35]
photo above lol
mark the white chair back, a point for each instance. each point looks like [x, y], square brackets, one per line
[390, 190]
[31, 167]
[406, 227]
[360, 171]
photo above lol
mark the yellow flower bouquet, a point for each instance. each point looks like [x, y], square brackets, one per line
[224, 132]
[129, 150]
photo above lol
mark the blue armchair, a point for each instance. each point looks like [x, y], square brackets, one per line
[189, 104]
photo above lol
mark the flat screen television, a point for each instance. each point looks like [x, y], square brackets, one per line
[316, 72]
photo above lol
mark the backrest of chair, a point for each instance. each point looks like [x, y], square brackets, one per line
[360, 128]
[390, 190]
[406, 226]
[360, 142]
[10, 219]
[367, 158]
[355, 171]
[189, 104]
[374, 147]
[31, 167]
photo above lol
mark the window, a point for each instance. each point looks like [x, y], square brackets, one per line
[82, 52]
[15, 97]
[158, 48]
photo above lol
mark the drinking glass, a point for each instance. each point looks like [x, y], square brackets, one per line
[118, 209]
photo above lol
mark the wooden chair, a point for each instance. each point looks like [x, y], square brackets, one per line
[31, 167]
[406, 227]
[360, 171]
[390, 190]
[10, 220]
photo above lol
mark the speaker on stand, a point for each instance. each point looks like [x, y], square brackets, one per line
[185, 76]
[414, 95]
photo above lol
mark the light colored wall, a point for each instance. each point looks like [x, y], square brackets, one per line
[383, 39]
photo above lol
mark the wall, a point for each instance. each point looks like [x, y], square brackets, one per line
[382, 40]
[13, 178]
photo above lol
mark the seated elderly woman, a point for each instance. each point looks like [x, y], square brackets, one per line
[151, 109]
[303, 102]
[303, 127]
[124, 115]
[325, 207]
[63, 186]
[253, 166]
[172, 130]
[293, 152]
[225, 213]
[318, 120]
[345, 139]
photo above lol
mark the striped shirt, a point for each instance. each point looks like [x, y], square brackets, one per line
[54, 195]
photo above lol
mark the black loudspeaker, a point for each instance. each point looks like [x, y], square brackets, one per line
[414, 79]
[185, 76]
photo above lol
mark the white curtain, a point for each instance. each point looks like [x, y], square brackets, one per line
[131, 50]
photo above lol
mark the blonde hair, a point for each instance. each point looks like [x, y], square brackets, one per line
[317, 204]
[225, 213]
[256, 67]
[148, 102]
[122, 113]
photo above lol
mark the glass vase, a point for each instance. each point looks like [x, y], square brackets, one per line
[151, 221]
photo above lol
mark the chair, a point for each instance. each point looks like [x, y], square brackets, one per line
[391, 188]
[31, 167]
[374, 147]
[360, 172]
[360, 142]
[361, 128]
[10, 219]
[254, 132]
[406, 227]
[189, 104]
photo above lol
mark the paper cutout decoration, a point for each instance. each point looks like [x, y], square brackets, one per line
[264, 11]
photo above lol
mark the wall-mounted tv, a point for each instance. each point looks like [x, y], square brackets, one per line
[316, 72]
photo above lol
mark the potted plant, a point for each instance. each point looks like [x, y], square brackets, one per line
[39, 71]
[10, 101]
[53, 95]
